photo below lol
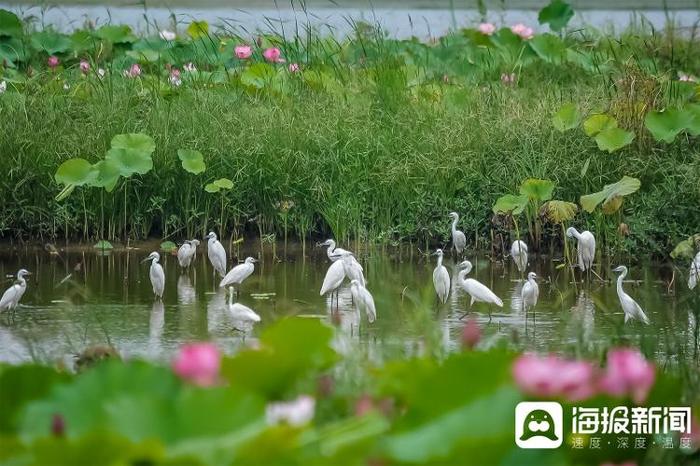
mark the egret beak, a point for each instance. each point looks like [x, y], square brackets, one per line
[618, 269]
[28, 273]
[146, 259]
[255, 260]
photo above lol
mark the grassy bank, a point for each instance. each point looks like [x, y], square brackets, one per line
[373, 139]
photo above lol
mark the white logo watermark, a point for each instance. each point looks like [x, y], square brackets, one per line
[539, 424]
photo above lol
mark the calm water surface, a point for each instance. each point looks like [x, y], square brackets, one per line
[109, 301]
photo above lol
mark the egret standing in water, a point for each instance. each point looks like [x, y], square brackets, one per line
[187, 252]
[478, 291]
[333, 279]
[353, 269]
[585, 248]
[216, 253]
[333, 252]
[10, 299]
[518, 251]
[530, 291]
[156, 274]
[459, 241]
[240, 312]
[441, 278]
[236, 275]
[694, 276]
[363, 300]
[629, 306]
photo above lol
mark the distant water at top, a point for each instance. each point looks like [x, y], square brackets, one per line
[397, 22]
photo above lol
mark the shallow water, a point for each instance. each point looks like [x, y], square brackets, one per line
[397, 22]
[109, 301]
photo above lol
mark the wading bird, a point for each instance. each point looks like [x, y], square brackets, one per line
[459, 241]
[10, 299]
[333, 252]
[530, 291]
[236, 275]
[240, 312]
[441, 278]
[216, 253]
[694, 276]
[363, 300]
[187, 252]
[585, 247]
[333, 279]
[629, 306]
[518, 251]
[156, 274]
[478, 291]
[353, 269]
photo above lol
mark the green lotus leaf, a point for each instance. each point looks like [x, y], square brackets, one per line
[626, 186]
[76, 171]
[10, 24]
[51, 42]
[597, 123]
[510, 204]
[549, 47]
[145, 55]
[134, 141]
[224, 183]
[130, 161]
[192, 161]
[612, 139]
[568, 117]
[116, 34]
[198, 29]
[557, 14]
[108, 174]
[537, 190]
[666, 125]
[212, 188]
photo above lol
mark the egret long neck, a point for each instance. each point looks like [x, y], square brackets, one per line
[439, 261]
[22, 281]
[454, 223]
[462, 274]
[619, 283]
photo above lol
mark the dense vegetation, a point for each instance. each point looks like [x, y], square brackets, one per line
[368, 137]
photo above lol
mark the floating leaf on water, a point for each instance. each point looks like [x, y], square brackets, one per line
[557, 14]
[560, 211]
[627, 185]
[103, 244]
[168, 246]
[597, 123]
[510, 204]
[537, 190]
[568, 117]
[667, 124]
[192, 161]
[612, 139]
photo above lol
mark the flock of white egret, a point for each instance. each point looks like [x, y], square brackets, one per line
[345, 265]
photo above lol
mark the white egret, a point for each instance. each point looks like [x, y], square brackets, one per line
[236, 275]
[333, 279]
[441, 278]
[156, 274]
[629, 306]
[478, 291]
[240, 312]
[187, 252]
[216, 253]
[518, 251]
[530, 291]
[333, 252]
[10, 299]
[585, 248]
[353, 269]
[363, 300]
[694, 276]
[459, 241]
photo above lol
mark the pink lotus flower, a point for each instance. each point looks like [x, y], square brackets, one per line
[273, 55]
[486, 28]
[198, 363]
[551, 376]
[133, 72]
[293, 67]
[243, 51]
[471, 334]
[628, 373]
[295, 413]
[509, 79]
[84, 66]
[175, 77]
[524, 32]
[53, 61]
